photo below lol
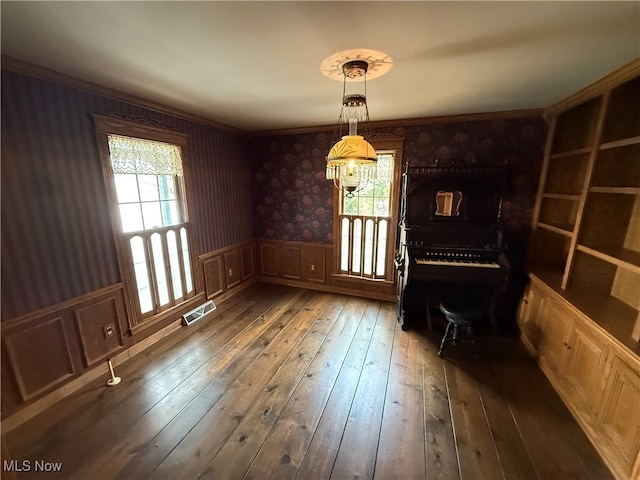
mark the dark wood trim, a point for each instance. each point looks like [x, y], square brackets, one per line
[119, 126]
[31, 70]
[18, 322]
[229, 248]
[464, 117]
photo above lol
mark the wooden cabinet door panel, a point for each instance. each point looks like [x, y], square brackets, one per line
[532, 310]
[556, 323]
[584, 369]
[620, 416]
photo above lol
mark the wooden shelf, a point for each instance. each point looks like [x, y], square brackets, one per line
[620, 190]
[620, 143]
[571, 153]
[622, 257]
[562, 196]
[562, 229]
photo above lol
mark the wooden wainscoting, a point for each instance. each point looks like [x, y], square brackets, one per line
[49, 347]
[228, 268]
[311, 265]
[51, 353]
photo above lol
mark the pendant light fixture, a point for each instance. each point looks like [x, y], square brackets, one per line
[351, 162]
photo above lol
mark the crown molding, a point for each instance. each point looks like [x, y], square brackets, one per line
[607, 82]
[36, 71]
[467, 117]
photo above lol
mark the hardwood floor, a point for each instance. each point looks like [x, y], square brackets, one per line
[283, 383]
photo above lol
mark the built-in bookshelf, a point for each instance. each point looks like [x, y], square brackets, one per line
[587, 219]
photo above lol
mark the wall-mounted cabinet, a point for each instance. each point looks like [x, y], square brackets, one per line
[580, 315]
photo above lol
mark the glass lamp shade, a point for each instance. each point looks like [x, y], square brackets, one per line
[352, 157]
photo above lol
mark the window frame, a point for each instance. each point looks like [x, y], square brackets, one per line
[393, 145]
[105, 126]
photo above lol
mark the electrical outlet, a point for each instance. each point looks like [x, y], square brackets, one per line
[109, 330]
[230, 272]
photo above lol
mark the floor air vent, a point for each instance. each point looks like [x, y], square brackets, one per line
[198, 312]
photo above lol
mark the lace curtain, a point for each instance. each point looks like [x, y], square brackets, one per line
[144, 157]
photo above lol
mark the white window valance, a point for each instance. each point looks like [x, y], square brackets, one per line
[144, 157]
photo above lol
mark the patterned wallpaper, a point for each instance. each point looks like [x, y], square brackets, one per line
[293, 200]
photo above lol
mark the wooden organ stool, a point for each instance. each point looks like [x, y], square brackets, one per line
[461, 311]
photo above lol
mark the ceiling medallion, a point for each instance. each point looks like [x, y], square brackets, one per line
[378, 63]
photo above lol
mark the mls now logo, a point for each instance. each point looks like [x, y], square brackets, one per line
[28, 465]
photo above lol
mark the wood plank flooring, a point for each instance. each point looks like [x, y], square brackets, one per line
[285, 383]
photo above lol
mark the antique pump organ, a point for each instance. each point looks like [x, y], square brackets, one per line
[450, 238]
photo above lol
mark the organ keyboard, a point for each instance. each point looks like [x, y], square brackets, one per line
[456, 259]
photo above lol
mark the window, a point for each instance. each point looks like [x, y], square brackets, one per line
[148, 181]
[143, 172]
[365, 234]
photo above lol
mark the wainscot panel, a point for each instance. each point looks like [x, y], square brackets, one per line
[248, 261]
[310, 265]
[227, 268]
[288, 261]
[314, 264]
[232, 271]
[213, 276]
[40, 356]
[100, 328]
[49, 347]
[268, 259]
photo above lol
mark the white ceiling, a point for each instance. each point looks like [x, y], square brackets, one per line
[256, 65]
